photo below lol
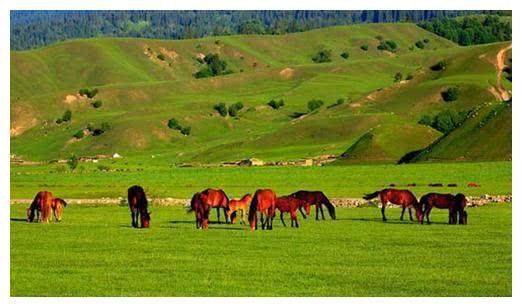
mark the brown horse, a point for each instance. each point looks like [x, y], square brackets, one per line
[403, 198]
[236, 206]
[454, 203]
[41, 207]
[263, 204]
[138, 206]
[217, 199]
[289, 204]
[57, 206]
[201, 208]
[316, 198]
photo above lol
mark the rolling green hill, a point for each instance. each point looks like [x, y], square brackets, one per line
[140, 92]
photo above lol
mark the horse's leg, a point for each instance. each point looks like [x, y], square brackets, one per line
[316, 212]
[322, 212]
[427, 214]
[382, 211]
[402, 213]
[411, 216]
[302, 213]
[132, 218]
[262, 221]
[282, 219]
[219, 221]
[257, 217]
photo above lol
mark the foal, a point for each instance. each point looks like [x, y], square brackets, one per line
[236, 206]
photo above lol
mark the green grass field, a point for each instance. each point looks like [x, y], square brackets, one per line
[335, 181]
[94, 252]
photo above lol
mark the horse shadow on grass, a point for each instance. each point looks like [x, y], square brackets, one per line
[17, 219]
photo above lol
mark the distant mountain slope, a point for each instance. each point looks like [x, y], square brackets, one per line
[140, 93]
[485, 136]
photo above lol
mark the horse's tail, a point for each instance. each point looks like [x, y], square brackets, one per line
[329, 206]
[192, 206]
[372, 195]
[252, 209]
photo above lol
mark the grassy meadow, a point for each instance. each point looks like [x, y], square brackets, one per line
[336, 181]
[95, 252]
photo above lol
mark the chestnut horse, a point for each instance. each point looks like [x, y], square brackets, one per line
[403, 198]
[316, 198]
[41, 206]
[57, 206]
[217, 199]
[289, 204]
[201, 208]
[263, 203]
[236, 206]
[454, 203]
[138, 206]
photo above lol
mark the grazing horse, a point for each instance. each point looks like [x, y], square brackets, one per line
[236, 206]
[217, 199]
[403, 198]
[199, 205]
[41, 206]
[263, 203]
[138, 206]
[289, 204]
[318, 199]
[57, 206]
[454, 203]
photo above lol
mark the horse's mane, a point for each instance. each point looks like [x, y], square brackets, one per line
[328, 204]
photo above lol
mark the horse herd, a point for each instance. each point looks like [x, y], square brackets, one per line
[262, 206]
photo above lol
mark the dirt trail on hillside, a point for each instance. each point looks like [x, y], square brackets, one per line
[501, 56]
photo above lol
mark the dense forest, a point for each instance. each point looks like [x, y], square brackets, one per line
[471, 30]
[31, 29]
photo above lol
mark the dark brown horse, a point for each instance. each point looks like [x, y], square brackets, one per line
[217, 199]
[138, 206]
[289, 204]
[455, 204]
[263, 204]
[403, 198]
[41, 207]
[199, 205]
[316, 198]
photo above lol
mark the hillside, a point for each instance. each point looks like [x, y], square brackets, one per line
[140, 92]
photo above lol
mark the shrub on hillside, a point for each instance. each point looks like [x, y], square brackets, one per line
[173, 124]
[78, 134]
[276, 104]
[72, 162]
[67, 115]
[215, 67]
[221, 108]
[161, 57]
[59, 121]
[90, 127]
[445, 121]
[451, 94]
[398, 76]
[314, 104]
[388, 45]
[97, 104]
[339, 101]
[409, 76]
[233, 110]
[322, 56]
[87, 92]
[185, 130]
[345, 55]
[426, 120]
[364, 47]
[440, 65]
[426, 40]
[419, 44]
